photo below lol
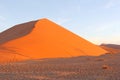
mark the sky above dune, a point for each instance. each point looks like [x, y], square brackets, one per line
[95, 20]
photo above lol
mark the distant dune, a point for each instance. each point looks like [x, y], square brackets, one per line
[115, 46]
[111, 48]
[45, 39]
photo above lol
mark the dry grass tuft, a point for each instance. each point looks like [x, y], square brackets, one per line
[106, 67]
[100, 59]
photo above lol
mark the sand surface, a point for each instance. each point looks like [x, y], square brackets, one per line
[105, 67]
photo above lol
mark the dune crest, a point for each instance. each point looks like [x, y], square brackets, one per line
[45, 39]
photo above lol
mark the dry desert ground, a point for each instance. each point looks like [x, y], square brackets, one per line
[105, 67]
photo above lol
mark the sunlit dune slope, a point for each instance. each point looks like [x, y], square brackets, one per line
[45, 39]
[7, 56]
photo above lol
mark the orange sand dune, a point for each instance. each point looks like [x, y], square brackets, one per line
[45, 39]
[10, 56]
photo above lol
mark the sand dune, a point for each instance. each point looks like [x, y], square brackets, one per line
[111, 48]
[115, 46]
[45, 39]
[7, 55]
[69, 57]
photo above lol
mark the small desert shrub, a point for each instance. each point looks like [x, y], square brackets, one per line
[100, 59]
[105, 67]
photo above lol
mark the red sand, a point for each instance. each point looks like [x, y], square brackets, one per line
[46, 39]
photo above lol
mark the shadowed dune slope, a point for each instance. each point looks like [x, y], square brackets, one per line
[45, 39]
[16, 32]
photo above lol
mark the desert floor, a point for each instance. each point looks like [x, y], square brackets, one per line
[105, 67]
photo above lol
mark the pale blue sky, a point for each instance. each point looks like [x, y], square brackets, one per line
[94, 20]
